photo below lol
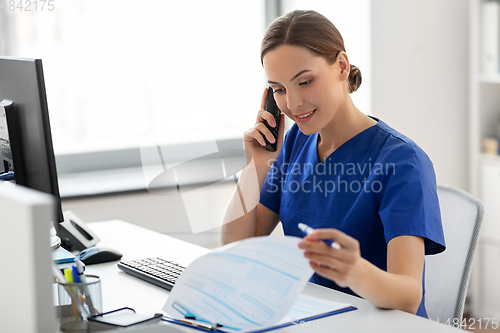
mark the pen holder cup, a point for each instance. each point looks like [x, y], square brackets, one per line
[78, 301]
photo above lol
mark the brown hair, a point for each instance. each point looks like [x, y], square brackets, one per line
[312, 30]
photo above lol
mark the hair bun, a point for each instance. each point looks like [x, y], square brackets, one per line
[354, 79]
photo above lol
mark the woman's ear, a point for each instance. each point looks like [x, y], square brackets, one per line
[343, 65]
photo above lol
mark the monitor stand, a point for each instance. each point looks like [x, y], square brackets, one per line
[74, 233]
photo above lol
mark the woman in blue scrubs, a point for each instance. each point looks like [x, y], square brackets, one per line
[352, 177]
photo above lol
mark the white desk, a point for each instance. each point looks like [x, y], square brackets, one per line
[120, 289]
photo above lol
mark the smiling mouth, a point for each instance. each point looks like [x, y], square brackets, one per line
[306, 115]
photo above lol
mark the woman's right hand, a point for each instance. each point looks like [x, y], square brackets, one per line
[253, 140]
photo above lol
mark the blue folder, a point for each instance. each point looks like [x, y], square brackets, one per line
[62, 256]
[221, 329]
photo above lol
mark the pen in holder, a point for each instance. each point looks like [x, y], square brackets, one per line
[77, 302]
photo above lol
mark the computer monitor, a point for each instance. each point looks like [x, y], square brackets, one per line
[23, 100]
[22, 82]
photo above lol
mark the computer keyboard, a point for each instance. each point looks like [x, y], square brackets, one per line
[161, 272]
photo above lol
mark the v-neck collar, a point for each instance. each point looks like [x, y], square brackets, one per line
[316, 137]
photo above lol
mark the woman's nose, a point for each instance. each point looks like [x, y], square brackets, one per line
[293, 101]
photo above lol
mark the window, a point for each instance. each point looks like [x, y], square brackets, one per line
[119, 71]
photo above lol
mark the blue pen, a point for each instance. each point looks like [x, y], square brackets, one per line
[306, 230]
[76, 277]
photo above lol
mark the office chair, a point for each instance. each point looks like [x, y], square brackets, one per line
[447, 274]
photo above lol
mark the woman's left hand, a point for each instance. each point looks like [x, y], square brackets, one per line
[343, 266]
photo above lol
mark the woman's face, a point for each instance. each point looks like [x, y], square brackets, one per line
[306, 88]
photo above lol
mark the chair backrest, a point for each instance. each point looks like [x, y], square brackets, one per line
[447, 274]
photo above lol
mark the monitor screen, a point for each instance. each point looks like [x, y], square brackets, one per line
[22, 82]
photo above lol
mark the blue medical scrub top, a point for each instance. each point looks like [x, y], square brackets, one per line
[376, 186]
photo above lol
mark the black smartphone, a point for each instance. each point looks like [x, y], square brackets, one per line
[276, 112]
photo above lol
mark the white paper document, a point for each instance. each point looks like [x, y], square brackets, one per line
[247, 285]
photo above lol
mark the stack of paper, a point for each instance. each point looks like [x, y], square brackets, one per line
[249, 285]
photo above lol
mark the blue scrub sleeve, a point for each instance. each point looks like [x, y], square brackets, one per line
[410, 205]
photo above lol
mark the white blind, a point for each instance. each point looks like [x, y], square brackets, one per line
[119, 71]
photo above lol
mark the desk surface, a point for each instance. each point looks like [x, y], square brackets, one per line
[120, 289]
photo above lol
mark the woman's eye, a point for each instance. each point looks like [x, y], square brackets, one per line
[278, 91]
[305, 83]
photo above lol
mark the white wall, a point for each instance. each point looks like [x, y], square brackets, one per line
[420, 74]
